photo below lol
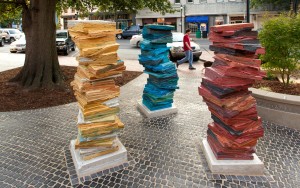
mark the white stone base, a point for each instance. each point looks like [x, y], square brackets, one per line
[111, 160]
[253, 167]
[156, 113]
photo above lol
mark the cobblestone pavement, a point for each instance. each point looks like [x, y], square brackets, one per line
[164, 151]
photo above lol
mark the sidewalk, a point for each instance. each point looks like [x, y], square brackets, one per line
[11, 61]
[17, 60]
[163, 151]
[134, 65]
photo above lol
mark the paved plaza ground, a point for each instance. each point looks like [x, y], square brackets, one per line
[163, 152]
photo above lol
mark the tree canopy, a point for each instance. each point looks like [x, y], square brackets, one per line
[41, 67]
[84, 7]
[11, 9]
[9, 13]
[280, 36]
[282, 4]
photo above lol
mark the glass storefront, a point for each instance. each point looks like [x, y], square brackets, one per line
[198, 24]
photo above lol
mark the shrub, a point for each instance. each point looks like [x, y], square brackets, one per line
[280, 36]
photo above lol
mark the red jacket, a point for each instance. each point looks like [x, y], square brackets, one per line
[186, 38]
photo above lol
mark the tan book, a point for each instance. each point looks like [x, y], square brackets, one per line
[100, 115]
[102, 59]
[82, 84]
[100, 69]
[91, 127]
[102, 90]
[83, 103]
[94, 143]
[84, 99]
[84, 151]
[92, 34]
[93, 106]
[107, 118]
[89, 42]
[82, 71]
[85, 28]
[101, 153]
[103, 110]
[101, 49]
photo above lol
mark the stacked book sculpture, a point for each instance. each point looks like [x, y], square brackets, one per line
[236, 127]
[97, 97]
[162, 82]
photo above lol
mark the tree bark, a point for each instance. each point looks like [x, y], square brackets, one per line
[41, 68]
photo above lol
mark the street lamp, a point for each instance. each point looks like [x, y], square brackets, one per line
[181, 8]
[248, 10]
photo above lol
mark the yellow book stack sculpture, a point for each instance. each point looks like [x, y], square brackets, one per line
[95, 88]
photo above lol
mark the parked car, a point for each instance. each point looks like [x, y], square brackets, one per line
[176, 47]
[129, 32]
[136, 40]
[64, 43]
[18, 45]
[3, 37]
[12, 34]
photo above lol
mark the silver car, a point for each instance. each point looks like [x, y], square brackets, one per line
[176, 47]
[12, 34]
[18, 45]
[3, 37]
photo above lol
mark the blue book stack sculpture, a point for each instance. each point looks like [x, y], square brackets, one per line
[162, 82]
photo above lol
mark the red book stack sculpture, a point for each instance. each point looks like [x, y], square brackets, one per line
[236, 127]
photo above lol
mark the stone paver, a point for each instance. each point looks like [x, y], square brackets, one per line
[164, 151]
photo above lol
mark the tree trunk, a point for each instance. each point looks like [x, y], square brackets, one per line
[41, 67]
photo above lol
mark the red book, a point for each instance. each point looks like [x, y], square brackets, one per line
[231, 27]
[218, 77]
[236, 61]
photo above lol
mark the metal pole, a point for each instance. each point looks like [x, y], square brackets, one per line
[295, 6]
[181, 16]
[248, 10]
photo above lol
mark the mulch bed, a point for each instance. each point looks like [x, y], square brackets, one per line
[278, 87]
[13, 98]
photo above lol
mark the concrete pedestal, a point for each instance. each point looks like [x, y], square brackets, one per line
[253, 167]
[108, 161]
[156, 113]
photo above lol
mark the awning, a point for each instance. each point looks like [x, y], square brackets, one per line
[200, 19]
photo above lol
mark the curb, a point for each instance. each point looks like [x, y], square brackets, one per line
[278, 108]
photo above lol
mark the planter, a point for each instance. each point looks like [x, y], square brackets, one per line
[281, 109]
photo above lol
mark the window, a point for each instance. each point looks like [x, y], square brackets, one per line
[177, 1]
[133, 28]
[193, 27]
[220, 1]
[202, 1]
[61, 34]
[14, 31]
[190, 1]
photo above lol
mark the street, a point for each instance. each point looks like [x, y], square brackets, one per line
[126, 52]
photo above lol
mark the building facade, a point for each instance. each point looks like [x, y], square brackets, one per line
[67, 14]
[199, 15]
[123, 20]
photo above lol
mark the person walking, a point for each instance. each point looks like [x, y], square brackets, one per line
[187, 50]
